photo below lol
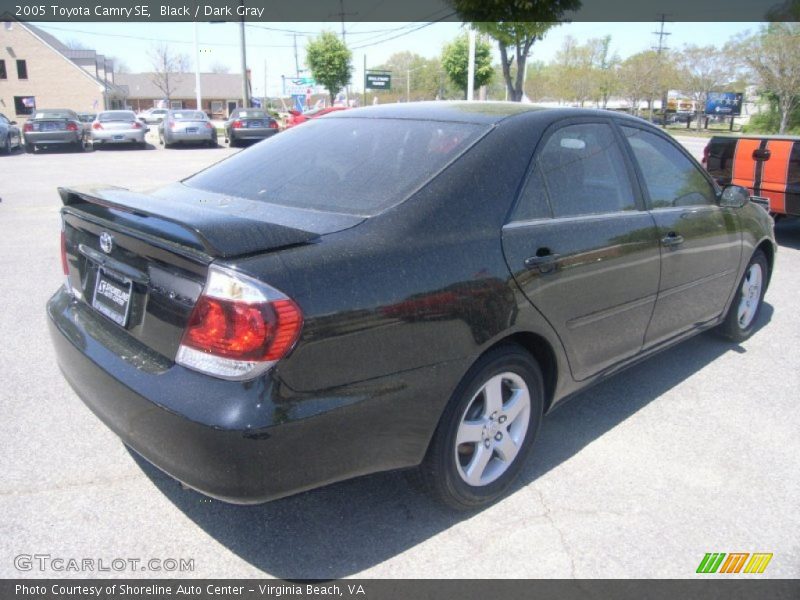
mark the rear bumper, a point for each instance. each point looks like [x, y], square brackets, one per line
[244, 443]
[119, 137]
[253, 134]
[45, 138]
[201, 136]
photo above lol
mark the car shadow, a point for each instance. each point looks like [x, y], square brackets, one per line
[347, 527]
[121, 147]
[787, 233]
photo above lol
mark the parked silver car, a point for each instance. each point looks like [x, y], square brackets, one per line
[54, 127]
[118, 127]
[153, 115]
[10, 136]
[191, 126]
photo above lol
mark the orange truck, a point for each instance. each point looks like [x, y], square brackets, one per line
[769, 166]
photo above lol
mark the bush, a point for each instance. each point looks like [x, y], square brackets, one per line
[769, 121]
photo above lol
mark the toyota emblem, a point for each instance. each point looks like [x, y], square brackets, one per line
[106, 242]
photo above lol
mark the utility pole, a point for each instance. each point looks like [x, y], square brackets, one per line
[197, 71]
[365, 81]
[408, 85]
[660, 50]
[245, 91]
[342, 14]
[296, 63]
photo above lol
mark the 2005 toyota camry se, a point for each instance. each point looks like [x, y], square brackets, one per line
[393, 287]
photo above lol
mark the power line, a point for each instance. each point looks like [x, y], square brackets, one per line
[140, 38]
[403, 34]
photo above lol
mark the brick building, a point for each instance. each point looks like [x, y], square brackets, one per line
[221, 92]
[38, 71]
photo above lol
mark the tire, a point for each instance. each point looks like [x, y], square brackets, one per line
[30, 148]
[458, 474]
[7, 145]
[740, 322]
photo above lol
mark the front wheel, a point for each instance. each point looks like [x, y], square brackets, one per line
[486, 431]
[740, 321]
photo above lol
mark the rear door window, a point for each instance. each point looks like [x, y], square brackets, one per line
[672, 180]
[357, 166]
[579, 171]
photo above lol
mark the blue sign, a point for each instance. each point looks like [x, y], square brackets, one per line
[724, 103]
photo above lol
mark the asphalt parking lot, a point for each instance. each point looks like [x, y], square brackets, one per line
[694, 451]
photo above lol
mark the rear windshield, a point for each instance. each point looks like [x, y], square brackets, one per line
[54, 114]
[189, 115]
[251, 114]
[353, 166]
[116, 116]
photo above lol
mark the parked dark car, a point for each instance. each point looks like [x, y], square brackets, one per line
[767, 165]
[186, 127]
[54, 127]
[248, 124]
[10, 136]
[405, 286]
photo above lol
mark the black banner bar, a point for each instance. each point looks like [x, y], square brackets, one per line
[708, 588]
[378, 10]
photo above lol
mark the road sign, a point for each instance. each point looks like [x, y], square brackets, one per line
[378, 81]
[724, 103]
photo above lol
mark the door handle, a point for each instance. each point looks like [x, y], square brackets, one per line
[544, 264]
[672, 239]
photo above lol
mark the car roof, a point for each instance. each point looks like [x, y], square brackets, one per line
[487, 113]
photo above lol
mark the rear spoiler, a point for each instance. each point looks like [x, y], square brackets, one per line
[216, 230]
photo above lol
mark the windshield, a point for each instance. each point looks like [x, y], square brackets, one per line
[344, 165]
[190, 115]
[116, 116]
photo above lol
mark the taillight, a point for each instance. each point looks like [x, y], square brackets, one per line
[239, 327]
[237, 125]
[706, 152]
[28, 127]
[171, 124]
[97, 125]
[208, 125]
[273, 124]
[137, 125]
[64, 263]
[72, 127]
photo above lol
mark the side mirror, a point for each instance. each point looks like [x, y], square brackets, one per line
[734, 196]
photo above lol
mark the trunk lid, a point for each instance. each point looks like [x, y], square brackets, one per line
[141, 260]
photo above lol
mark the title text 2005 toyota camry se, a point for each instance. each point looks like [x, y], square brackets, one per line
[393, 287]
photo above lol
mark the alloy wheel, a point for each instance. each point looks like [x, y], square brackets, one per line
[751, 295]
[492, 429]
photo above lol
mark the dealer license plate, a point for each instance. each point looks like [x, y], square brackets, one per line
[112, 296]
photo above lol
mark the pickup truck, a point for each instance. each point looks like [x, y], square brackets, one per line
[768, 166]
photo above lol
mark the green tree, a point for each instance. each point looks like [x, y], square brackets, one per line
[638, 78]
[774, 56]
[416, 76]
[455, 62]
[702, 69]
[330, 62]
[516, 25]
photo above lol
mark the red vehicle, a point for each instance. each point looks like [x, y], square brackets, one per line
[296, 117]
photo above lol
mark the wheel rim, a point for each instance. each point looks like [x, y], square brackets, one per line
[492, 429]
[751, 295]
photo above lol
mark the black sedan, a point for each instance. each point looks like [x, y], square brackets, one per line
[10, 136]
[407, 286]
[56, 127]
[249, 124]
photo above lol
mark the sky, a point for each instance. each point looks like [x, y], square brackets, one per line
[271, 54]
